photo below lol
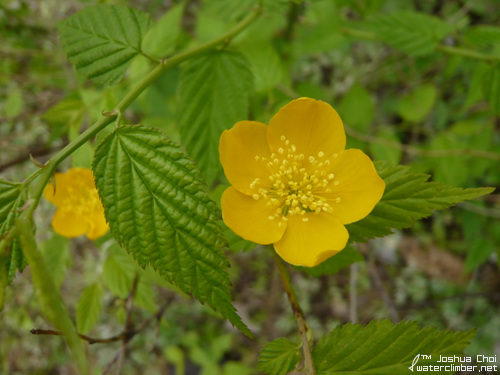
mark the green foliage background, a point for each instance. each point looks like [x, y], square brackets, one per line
[416, 83]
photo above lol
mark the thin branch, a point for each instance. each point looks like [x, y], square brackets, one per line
[299, 315]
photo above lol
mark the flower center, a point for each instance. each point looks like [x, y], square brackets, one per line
[293, 186]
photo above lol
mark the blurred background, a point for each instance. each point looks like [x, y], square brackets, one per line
[428, 98]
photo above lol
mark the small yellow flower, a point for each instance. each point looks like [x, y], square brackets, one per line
[293, 183]
[79, 209]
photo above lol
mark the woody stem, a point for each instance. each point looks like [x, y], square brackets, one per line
[305, 332]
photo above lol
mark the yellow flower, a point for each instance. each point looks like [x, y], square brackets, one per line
[293, 183]
[79, 209]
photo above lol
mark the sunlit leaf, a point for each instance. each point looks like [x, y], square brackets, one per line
[101, 40]
[214, 95]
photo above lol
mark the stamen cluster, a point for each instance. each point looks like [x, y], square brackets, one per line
[295, 183]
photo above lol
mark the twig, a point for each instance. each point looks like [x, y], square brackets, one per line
[92, 340]
[128, 324]
[299, 315]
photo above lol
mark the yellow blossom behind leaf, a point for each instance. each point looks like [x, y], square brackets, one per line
[79, 209]
[293, 183]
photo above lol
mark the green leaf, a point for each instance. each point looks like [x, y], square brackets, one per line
[483, 35]
[491, 87]
[161, 39]
[57, 256]
[407, 197]
[12, 198]
[88, 308]
[47, 293]
[214, 95]
[14, 103]
[334, 264]
[101, 40]
[279, 357]
[415, 106]
[357, 108]
[385, 348]
[265, 64]
[155, 202]
[415, 34]
[68, 113]
[118, 273]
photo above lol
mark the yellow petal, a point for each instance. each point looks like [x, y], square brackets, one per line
[359, 186]
[311, 242]
[75, 182]
[97, 225]
[69, 224]
[313, 126]
[249, 218]
[57, 194]
[241, 150]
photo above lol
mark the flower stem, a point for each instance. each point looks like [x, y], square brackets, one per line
[164, 65]
[305, 332]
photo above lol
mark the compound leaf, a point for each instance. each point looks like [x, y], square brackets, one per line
[382, 347]
[101, 40]
[156, 203]
[407, 197]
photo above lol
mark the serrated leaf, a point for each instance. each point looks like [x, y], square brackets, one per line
[491, 87]
[214, 95]
[384, 348]
[156, 204]
[335, 263]
[416, 105]
[88, 308]
[101, 40]
[415, 34]
[161, 39]
[12, 198]
[279, 356]
[407, 197]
